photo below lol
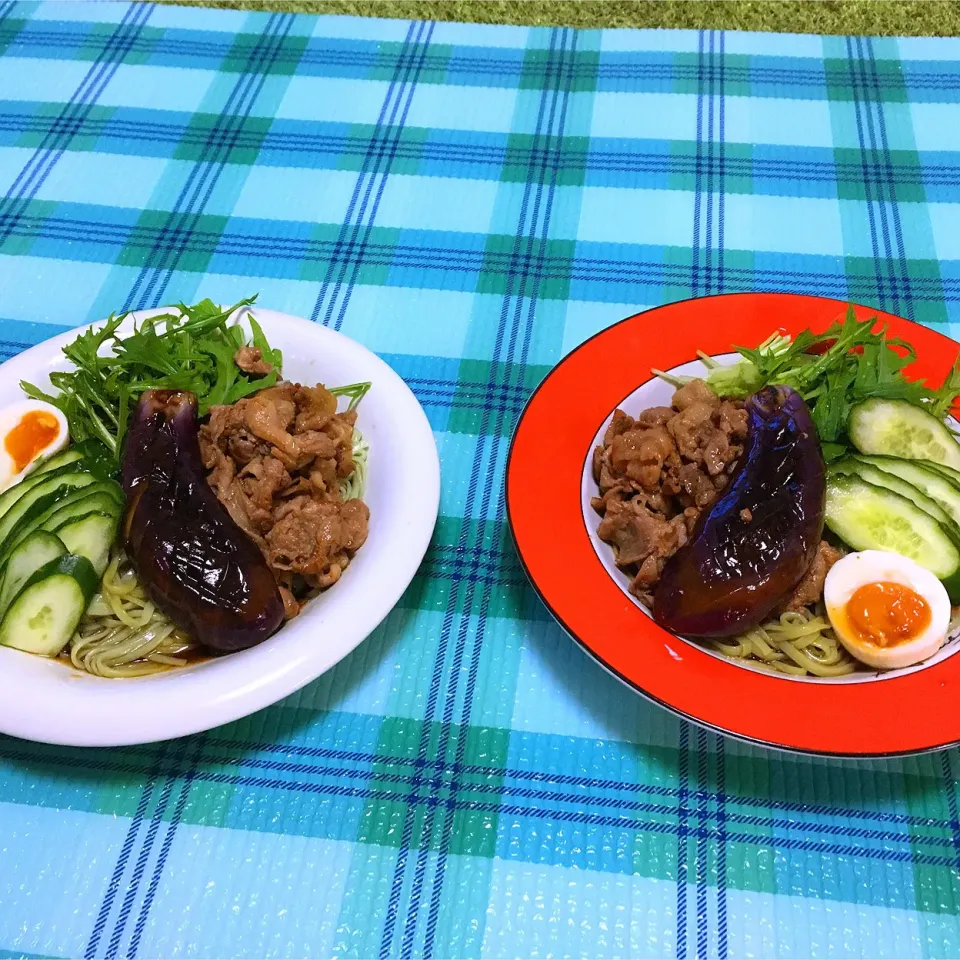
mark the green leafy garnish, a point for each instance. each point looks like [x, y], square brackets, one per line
[355, 391]
[192, 350]
[944, 399]
[834, 371]
[833, 451]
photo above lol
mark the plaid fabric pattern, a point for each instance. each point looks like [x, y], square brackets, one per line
[471, 202]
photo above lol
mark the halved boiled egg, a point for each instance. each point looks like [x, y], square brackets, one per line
[887, 610]
[29, 430]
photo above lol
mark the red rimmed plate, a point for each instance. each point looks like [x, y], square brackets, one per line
[548, 489]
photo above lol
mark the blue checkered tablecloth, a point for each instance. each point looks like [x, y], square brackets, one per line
[471, 202]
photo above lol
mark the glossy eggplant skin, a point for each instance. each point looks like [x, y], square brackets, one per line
[750, 550]
[198, 566]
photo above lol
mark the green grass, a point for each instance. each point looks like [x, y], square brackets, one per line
[937, 18]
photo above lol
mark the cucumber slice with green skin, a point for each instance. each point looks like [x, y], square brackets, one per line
[19, 490]
[851, 466]
[52, 488]
[867, 517]
[895, 428]
[38, 512]
[36, 550]
[44, 614]
[947, 472]
[97, 501]
[62, 459]
[103, 496]
[927, 480]
[91, 537]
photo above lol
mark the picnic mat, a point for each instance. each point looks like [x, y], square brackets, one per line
[471, 202]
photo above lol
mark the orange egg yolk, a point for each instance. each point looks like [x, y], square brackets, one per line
[886, 613]
[33, 434]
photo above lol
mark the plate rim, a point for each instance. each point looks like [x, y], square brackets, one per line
[583, 644]
[254, 690]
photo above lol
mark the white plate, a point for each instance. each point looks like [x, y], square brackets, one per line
[47, 701]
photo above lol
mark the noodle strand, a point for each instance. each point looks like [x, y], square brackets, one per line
[798, 644]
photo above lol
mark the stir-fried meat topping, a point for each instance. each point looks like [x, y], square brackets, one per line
[250, 360]
[276, 460]
[696, 391]
[656, 474]
[810, 589]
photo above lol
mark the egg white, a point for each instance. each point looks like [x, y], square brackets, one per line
[12, 415]
[875, 566]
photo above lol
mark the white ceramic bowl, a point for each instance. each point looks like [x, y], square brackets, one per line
[48, 701]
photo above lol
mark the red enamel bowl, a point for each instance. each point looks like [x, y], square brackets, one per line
[871, 717]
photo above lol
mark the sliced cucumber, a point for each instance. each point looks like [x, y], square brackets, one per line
[11, 495]
[44, 614]
[99, 502]
[91, 537]
[96, 498]
[859, 467]
[37, 549]
[104, 496]
[895, 428]
[53, 486]
[58, 460]
[868, 517]
[948, 472]
[927, 480]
